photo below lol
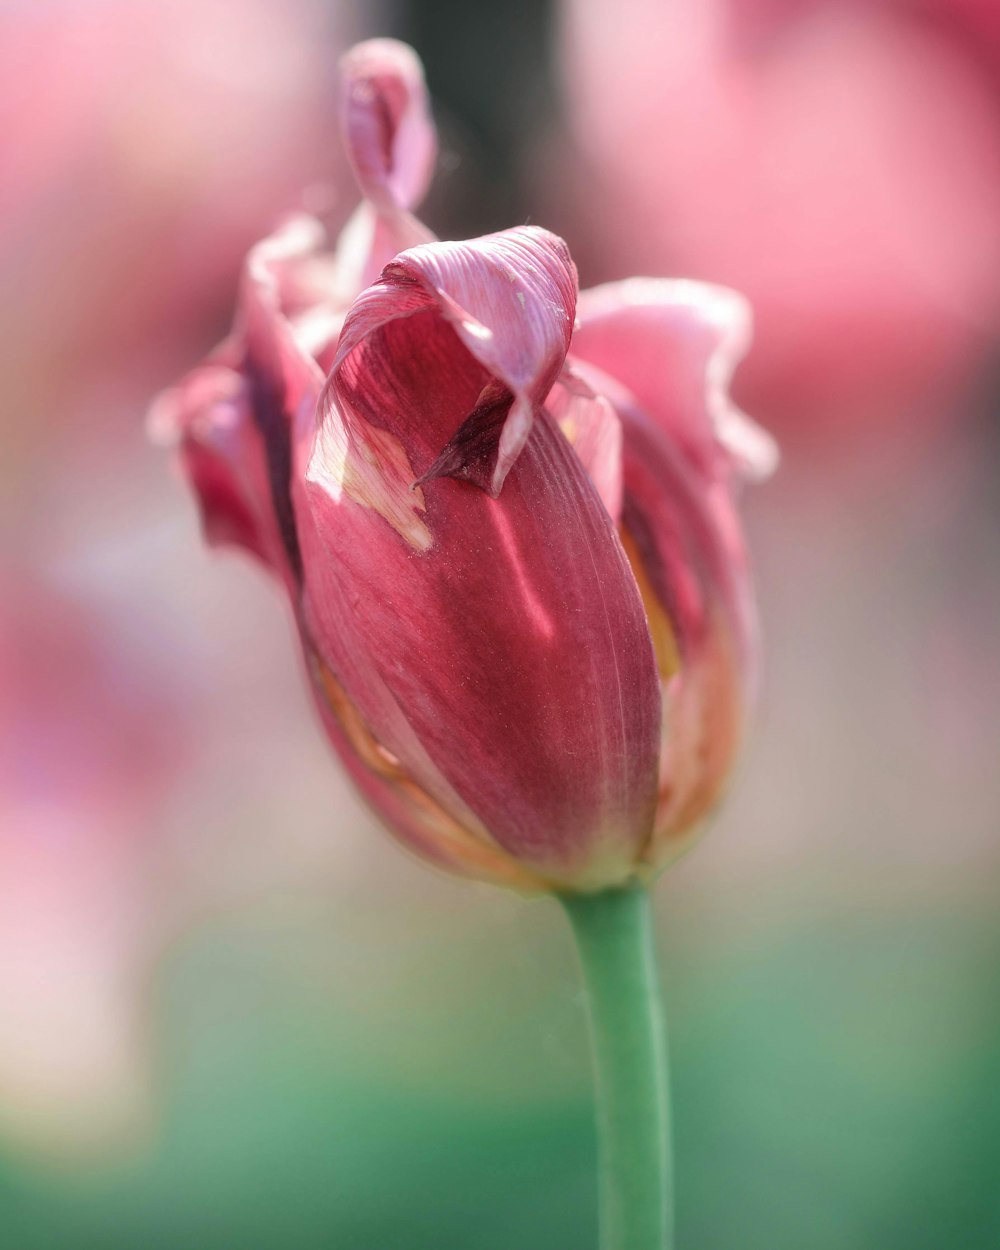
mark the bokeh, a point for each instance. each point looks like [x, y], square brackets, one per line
[232, 1011]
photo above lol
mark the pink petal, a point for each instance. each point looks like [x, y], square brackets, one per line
[589, 421]
[387, 125]
[496, 648]
[234, 417]
[511, 300]
[674, 345]
[687, 546]
[417, 816]
[663, 354]
[392, 144]
[206, 417]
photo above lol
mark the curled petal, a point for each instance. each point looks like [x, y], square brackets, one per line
[510, 299]
[496, 648]
[674, 345]
[387, 125]
[392, 145]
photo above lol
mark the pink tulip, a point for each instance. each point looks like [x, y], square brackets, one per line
[508, 535]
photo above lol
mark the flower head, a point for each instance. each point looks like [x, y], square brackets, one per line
[505, 521]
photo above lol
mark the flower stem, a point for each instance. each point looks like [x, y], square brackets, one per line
[614, 939]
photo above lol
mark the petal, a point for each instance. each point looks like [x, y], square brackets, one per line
[206, 416]
[497, 648]
[511, 300]
[674, 345]
[388, 130]
[418, 818]
[589, 421]
[392, 145]
[233, 417]
[687, 551]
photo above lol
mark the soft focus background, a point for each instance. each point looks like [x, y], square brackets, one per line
[232, 1012]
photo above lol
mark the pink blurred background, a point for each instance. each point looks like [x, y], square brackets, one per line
[838, 162]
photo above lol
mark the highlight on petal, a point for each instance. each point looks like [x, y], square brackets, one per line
[510, 299]
[388, 131]
[674, 345]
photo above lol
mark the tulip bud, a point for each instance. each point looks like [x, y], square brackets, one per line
[510, 545]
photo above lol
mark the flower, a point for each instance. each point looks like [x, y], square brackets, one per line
[505, 521]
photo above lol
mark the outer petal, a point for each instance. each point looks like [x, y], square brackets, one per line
[206, 416]
[232, 418]
[674, 345]
[496, 649]
[687, 548]
[450, 837]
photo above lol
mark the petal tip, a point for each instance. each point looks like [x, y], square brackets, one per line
[389, 134]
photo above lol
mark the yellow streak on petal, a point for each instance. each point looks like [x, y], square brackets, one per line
[570, 430]
[703, 722]
[451, 841]
[668, 660]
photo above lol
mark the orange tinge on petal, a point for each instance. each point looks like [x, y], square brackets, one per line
[702, 722]
[442, 834]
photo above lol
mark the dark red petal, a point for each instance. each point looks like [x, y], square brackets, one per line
[513, 660]
[511, 300]
[233, 418]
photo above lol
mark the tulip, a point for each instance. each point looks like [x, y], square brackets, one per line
[511, 549]
[505, 521]
[504, 516]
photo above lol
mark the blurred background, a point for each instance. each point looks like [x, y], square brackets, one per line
[232, 1012]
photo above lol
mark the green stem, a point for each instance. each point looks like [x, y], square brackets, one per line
[614, 938]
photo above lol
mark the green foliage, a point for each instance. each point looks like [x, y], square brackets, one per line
[338, 1084]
